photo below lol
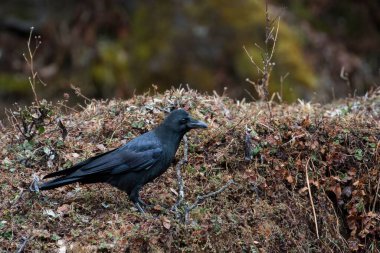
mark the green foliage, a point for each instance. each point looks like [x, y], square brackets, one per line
[13, 83]
[202, 44]
[359, 154]
[110, 69]
[138, 124]
[30, 120]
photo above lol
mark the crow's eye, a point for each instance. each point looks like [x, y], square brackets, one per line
[183, 121]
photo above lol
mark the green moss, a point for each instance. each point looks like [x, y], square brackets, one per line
[14, 83]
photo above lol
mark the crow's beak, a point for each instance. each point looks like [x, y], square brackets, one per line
[196, 124]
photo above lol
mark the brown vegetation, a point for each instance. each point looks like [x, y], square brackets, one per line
[307, 179]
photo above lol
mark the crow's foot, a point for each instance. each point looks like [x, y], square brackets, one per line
[138, 206]
[143, 203]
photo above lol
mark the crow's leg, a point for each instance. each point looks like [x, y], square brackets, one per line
[138, 206]
[143, 203]
[135, 198]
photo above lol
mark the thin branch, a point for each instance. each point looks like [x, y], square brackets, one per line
[344, 76]
[275, 40]
[181, 191]
[267, 51]
[186, 209]
[30, 61]
[251, 58]
[257, 45]
[267, 26]
[202, 198]
[248, 144]
[311, 198]
[78, 92]
[270, 35]
[24, 240]
[293, 139]
[267, 127]
[377, 193]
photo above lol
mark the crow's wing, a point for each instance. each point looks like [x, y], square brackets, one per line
[120, 161]
[138, 154]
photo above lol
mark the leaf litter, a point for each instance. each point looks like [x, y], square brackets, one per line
[306, 179]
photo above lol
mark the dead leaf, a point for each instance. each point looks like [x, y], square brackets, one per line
[63, 209]
[101, 147]
[166, 223]
[50, 213]
[302, 190]
[41, 233]
[157, 208]
[290, 179]
[337, 190]
[174, 191]
[75, 155]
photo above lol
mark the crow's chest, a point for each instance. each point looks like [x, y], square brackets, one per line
[161, 166]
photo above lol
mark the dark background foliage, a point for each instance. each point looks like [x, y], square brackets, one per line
[118, 48]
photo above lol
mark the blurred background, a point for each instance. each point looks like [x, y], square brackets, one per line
[115, 48]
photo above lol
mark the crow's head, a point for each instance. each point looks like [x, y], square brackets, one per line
[180, 121]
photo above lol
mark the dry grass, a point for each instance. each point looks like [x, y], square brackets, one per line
[269, 210]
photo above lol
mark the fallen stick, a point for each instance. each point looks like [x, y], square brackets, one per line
[181, 191]
[202, 198]
[311, 198]
[24, 240]
[186, 209]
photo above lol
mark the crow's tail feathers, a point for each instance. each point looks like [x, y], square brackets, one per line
[76, 167]
[58, 182]
[62, 172]
[66, 177]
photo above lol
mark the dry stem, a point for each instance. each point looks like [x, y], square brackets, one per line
[30, 62]
[377, 193]
[202, 198]
[271, 34]
[181, 190]
[248, 144]
[311, 198]
[23, 244]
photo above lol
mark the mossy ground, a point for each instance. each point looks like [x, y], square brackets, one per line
[269, 209]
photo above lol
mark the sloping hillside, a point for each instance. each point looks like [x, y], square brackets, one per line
[306, 178]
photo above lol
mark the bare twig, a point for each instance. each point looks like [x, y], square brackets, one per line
[267, 127]
[30, 61]
[181, 209]
[181, 191]
[311, 198]
[254, 63]
[271, 34]
[248, 144]
[344, 76]
[202, 198]
[377, 194]
[275, 39]
[78, 92]
[293, 139]
[63, 128]
[282, 79]
[24, 240]
[2, 127]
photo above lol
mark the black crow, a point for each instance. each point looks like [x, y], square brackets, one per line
[134, 164]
